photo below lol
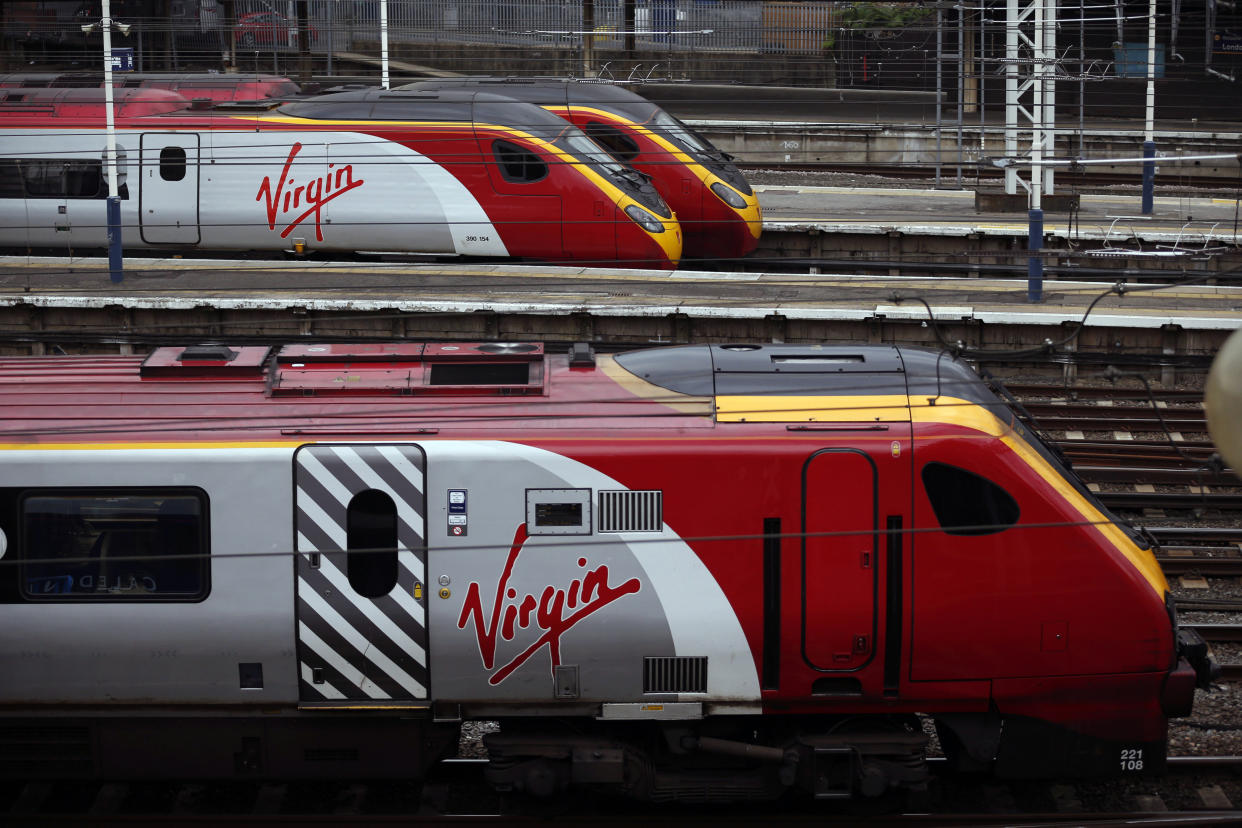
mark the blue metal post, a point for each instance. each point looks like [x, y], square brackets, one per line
[1035, 264]
[110, 165]
[114, 265]
[114, 239]
[1149, 176]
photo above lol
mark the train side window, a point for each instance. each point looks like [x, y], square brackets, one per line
[11, 184]
[621, 146]
[172, 163]
[44, 178]
[517, 163]
[47, 178]
[84, 179]
[113, 545]
[371, 539]
[966, 503]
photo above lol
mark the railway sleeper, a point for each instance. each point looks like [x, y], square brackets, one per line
[677, 763]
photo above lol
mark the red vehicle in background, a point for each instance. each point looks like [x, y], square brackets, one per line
[269, 29]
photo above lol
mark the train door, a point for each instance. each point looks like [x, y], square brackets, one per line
[168, 193]
[839, 559]
[527, 207]
[361, 597]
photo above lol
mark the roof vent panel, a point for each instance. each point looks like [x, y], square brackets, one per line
[205, 362]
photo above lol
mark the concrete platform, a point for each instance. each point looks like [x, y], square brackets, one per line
[849, 136]
[1106, 233]
[1184, 222]
[46, 300]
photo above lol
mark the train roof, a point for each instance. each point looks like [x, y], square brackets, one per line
[215, 86]
[68, 102]
[808, 370]
[542, 91]
[436, 105]
[305, 390]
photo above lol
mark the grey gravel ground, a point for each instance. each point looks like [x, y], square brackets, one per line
[1213, 729]
[801, 178]
[948, 181]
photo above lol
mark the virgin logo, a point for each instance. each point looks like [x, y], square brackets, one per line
[553, 613]
[308, 198]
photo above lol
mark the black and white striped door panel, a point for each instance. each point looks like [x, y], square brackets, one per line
[353, 648]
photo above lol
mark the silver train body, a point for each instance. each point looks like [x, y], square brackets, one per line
[214, 200]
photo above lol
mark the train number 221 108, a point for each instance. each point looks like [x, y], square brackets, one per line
[1132, 759]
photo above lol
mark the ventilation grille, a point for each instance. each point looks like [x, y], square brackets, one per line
[675, 674]
[628, 511]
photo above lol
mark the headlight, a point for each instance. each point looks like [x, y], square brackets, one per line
[728, 196]
[649, 222]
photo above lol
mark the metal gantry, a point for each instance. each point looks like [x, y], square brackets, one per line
[1030, 93]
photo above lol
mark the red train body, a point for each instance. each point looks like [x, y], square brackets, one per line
[696, 572]
[718, 211]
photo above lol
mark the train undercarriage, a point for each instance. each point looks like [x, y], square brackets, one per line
[746, 760]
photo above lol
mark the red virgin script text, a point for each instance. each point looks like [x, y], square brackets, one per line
[548, 612]
[313, 195]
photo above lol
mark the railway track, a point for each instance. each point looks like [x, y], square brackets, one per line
[1193, 792]
[1196, 536]
[974, 174]
[1137, 501]
[1114, 437]
[1224, 567]
[1075, 393]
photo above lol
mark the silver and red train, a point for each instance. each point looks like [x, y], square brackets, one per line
[698, 572]
[452, 173]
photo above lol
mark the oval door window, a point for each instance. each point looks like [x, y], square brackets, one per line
[172, 163]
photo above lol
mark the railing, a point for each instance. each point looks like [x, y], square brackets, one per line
[747, 25]
[197, 31]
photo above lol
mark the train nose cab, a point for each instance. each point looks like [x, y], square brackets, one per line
[728, 220]
[717, 211]
[641, 217]
[650, 215]
[609, 212]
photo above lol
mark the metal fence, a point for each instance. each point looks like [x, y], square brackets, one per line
[266, 31]
[743, 25]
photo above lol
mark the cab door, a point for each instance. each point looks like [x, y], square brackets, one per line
[840, 546]
[361, 597]
[528, 193]
[168, 207]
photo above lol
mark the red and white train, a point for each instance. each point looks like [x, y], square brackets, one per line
[452, 173]
[695, 572]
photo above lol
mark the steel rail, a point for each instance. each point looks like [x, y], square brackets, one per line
[1216, 567]
[1171, 500]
